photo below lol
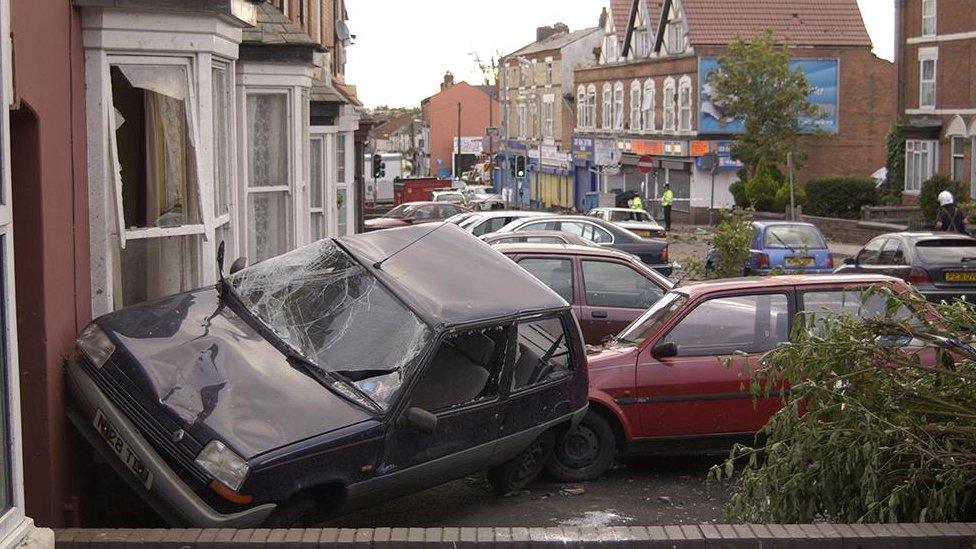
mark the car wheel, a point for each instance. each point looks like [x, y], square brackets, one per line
[518, 472]
[300, 511]
[585, 452]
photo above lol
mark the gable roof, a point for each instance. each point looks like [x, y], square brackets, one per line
[388, 128]
[795, 22]
[620, 11]
[554, 42]
[653, 8]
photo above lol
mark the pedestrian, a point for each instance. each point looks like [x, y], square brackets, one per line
[950, 218]
[667, 199]
[637, 203]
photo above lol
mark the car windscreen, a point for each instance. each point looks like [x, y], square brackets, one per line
[652, 319]
[338, 316]
[635, 215]
[399, 212]
[793, 236]
[946, 251]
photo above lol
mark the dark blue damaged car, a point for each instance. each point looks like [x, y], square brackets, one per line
[338, 375]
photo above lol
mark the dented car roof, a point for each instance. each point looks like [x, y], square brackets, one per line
[449, 277]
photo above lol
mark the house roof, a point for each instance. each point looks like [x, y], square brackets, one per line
[388, 128]
[272, 28]
[620, 11]
[323, 92]
[554, 42]
[796, 22]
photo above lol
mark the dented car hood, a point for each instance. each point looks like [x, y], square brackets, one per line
[218, 377]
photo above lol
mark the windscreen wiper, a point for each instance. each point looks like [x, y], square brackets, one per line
[783, 242]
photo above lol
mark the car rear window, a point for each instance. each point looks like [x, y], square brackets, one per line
[946, 251]
[635, 215]
[793, 236]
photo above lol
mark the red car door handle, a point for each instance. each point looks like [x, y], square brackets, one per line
[599, 314]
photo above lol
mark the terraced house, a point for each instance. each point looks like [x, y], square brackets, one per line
[935, 45]
[649, 95]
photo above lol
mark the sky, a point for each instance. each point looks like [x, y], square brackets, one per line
[402, 49]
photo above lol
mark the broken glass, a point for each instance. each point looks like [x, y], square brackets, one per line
[337, 316]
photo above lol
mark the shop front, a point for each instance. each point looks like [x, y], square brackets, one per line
[584, 176]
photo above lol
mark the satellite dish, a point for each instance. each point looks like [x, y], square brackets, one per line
[342, 31]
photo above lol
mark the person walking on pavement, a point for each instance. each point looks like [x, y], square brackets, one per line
[950, 218]
[667, 199]
[636, 203]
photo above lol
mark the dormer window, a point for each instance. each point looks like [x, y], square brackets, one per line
[676, 37]
[610, 47]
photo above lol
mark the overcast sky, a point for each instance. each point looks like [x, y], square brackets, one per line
[402, 49]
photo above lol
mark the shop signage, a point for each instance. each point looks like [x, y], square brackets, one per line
[472, 145]
[658, 147]
[822, 74]
[582, 149]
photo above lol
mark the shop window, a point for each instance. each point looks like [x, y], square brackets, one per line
[268, 207]
[156, 179]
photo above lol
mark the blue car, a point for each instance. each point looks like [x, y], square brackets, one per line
[785, 246]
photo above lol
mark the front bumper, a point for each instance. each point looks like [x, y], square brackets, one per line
[168, 495]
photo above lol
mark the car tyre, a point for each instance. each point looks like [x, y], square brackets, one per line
[585, 452]
[518, 472]
[298, 512]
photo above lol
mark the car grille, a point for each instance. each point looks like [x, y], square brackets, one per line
[159, 436]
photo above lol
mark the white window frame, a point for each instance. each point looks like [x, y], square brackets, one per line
[670, 107]
[591, 107]
[649, 105]
[607, 106]
[618, 106]
[921, 159]
[345, 184]
[320, 142]
[685, 105]
[14, 524]
[958, 144]
[930, 23]
[676, 37]
[928, 55]
[533, 123]
[635, 106]
[548, 118]
[522, 122]
[226, 167]
[549, 71]
[581, 106]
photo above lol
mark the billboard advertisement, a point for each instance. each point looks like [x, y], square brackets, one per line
[824, 78]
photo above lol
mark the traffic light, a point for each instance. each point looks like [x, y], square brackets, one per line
[520, 166]
[379, 167]
[511, 166]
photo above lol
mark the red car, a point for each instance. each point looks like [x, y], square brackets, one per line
[413, 213]
[662, 386]
[608, 289]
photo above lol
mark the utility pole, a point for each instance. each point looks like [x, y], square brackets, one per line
[789, 162]
[457, 157]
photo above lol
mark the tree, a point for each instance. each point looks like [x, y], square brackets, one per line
[754, 83]
[894, 182]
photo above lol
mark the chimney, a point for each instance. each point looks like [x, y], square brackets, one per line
[541, 33]
[448, 81]
[603, 18]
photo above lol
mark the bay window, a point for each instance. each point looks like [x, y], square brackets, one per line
[268, 193]
[317, 187]
[635, 106]
[920, 161]
[223, 158]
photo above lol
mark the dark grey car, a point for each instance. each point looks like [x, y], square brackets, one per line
[941, 265]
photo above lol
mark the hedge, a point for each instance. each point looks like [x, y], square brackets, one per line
[839, 196]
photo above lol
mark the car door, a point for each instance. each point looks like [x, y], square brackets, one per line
[557, 272]
[614, 294]
[460, 386]
[867, 259]
[694, 393]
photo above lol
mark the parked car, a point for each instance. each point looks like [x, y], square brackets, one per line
[450, 197]
[482, 223]
[487, 203]
[652, 251]
[413, 213]
[942, 266]
[335, 376]
[608, 289]
[638, 222]
[788, 246]
[537, 237]
[662, 386]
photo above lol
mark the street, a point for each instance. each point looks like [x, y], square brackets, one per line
[645, 491]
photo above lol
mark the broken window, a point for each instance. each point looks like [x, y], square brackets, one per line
[157, 188]
[268, 190]
[334, 313]
[464, 370]
[542, 353]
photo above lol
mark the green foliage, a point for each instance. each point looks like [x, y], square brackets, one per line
[762, 188]
[839, 196]
[730, 242]
[928, 198]
[867, 434]
[738, 190]
[895, 162]
[755, 84]
[783, 196]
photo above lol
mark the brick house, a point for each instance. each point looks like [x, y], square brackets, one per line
[935, 46]
[458, 106]
[538, 114]
[654, 100]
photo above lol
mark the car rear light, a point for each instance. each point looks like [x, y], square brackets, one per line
[664, 255]
[918, 276]
[762, 261]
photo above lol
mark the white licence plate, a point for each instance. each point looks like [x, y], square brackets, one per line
[122, 449]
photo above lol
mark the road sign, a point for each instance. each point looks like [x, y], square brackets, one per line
[645, 164]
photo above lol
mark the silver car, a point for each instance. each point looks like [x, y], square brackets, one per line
[637, 221]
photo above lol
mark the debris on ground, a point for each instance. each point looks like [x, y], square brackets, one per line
[575, 490]
[597, 519]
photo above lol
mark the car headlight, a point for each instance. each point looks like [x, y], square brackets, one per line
[93, 342]
[223, 464]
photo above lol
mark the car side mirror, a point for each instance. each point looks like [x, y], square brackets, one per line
[850, 261]
[665, 349]
[238, 264]
[420, 419]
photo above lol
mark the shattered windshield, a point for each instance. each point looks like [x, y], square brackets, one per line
[338, 316]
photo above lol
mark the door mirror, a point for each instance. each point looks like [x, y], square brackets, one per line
[419, 419]
[665, 349]
[850, 261]
[238, 264]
